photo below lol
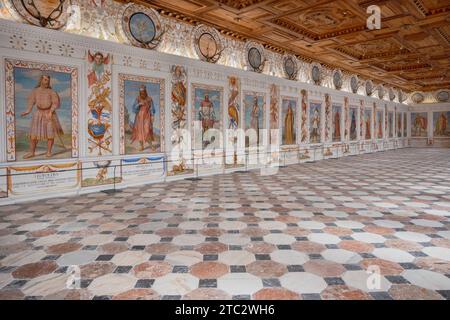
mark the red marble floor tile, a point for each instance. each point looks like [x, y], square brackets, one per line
[297, 231]
[211, 248]
[386, 267]
[403, 245]
[356, 246]
[42, 233]
[445, 243]
[161, 248]
[127, 232]
[266, 269]
[276, 294]
[433, 264]
[308, 246]
[338, 231]
[207, 294]
[113, 247]
[169, 232]
[138, 294]
[212, 232]
[260, 247]
[255, 232]
[209, 270]
[343, 292]
[379, 230]
[324, 268]
[411, 292]
[249, 219]
[287, 219]
[152, 269]
[33, 270]
[63, 248]
[96, 269]
[11, 294]
[419, 229]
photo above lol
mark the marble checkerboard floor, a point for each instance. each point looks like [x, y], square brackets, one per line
[309, 232]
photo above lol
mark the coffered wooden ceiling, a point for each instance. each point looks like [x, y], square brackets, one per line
[410, 51]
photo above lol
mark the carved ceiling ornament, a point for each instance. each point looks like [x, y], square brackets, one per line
[255, 56]
[354, 83]
[337, 79]
[381, 91]
[417, 97]
[52, 14]
[442, 95]
[290, 66]
[369, 87]
[316, 73]
[142, 26]
[391, 94]
[207, 43]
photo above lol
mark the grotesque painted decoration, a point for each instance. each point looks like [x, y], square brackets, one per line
[100, 105]
[274, 93]
[142, 114]
[314, 122]
[42, 111]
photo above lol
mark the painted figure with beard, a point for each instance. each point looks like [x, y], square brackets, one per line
[143, 123]
[289, 133]
[45, 124]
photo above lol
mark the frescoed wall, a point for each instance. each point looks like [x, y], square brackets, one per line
[441, 124]
[123, 116]
[419, 124]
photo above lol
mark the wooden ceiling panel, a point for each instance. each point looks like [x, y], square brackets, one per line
[335, 33]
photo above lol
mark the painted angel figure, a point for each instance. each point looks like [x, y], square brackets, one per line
[98, 62]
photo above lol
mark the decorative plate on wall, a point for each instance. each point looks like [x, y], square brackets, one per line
[401, 96]
[142, 26]
[50, 14]
[255, 56]
[316, 76]
[369, 87]
[391, 94]
[381, 91]
[442, 95]
[207, 43]
[337, 79]
[417, 97]
[290, 66]
[354, 83]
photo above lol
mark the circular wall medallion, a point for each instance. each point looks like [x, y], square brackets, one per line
[337, 79]
[442, 95]
[142, 26]
[254, 56]
[381, 91]
[290, 66]
[391, 94]
[417, 97]
[52, 14]
[315, 73]
[369, 87]
[354, 83]
[207, 43]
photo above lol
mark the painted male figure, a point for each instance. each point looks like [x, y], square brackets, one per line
[45, 124]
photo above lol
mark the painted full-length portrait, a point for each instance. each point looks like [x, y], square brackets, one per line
[207, 109]
[353, 123]
[379, 124]
[288, 115]
[43, 102]
[142, 114]
[441, 124]
[368, 124]
[314, 122]
[419, 124]
[390, 124]
[336, 123]
[254, 118]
